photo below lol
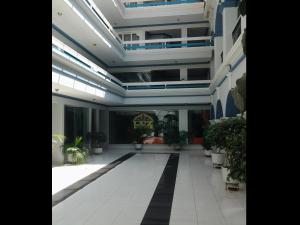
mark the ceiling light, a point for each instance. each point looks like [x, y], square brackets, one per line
[94, 44]
[59, 13]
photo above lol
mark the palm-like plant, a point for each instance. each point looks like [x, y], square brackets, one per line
[75, 149]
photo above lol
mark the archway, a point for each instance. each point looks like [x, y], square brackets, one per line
[219, 112]
[231, 109]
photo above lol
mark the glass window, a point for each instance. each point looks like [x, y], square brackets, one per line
[76, 123]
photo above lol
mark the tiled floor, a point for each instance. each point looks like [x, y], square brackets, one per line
[121, 196]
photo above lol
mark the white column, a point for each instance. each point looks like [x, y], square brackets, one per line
[58, 126]
[58, 118]
[229, 21]
[183, 73]
[183, 120]
[218, 93]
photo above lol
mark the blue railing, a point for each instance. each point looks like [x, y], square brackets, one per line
[146, 4]
[166, 45]
[166, 86]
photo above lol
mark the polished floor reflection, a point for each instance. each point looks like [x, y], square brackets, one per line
[123, 195]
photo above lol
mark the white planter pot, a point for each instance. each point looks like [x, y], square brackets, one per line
[217, 158]
[225, 173]
[138, 146]
[70, 158]
[207, 152]
[98, 150]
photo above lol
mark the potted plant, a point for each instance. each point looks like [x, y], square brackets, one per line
[74, 151]
[215, 136]
[177, 139]
[96, 139]
[234, 168]
[139, 133]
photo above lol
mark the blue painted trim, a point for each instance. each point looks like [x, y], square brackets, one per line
[222, 81]
[237, 62]
[164, 24]
[147, 4]
[78, 99]
[76, 43]
[213, 92]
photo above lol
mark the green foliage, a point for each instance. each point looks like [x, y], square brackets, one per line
[176, 138]
[215, 135]
[76, 150]
[230, 134]
[139, 133]
[206, 142]
[239, 93]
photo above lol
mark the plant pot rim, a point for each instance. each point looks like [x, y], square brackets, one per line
[215, 152]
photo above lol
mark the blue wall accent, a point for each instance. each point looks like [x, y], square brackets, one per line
[219, 23]
[164, 24]
[212, 112]
[231, 109]
[219, 112]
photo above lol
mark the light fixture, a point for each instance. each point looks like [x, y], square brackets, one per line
[95, 44]
[59, 13]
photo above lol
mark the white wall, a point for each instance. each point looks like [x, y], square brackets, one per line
[229, 21]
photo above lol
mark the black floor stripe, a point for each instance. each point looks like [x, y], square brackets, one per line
[68, 191]
[159, 209]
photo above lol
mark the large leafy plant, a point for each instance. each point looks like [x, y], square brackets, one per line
[139, 133]
[215, 135]
[235, 147]
[75, 149]
[239, 93]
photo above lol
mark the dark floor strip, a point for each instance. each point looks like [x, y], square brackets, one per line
[68, 191]
[159, 209]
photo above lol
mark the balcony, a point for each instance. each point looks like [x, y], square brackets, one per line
[167, 43]
[148, 3]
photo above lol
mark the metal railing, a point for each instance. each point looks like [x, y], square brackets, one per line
[168, 43]
[158, 3]
[167, 85]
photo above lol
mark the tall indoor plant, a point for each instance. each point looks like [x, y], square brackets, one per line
[216, 137]
[139, 133]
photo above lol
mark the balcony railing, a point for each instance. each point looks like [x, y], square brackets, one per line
[237, 30]
[168, 43]
[166, 85]
[77, 58]
[144, 3]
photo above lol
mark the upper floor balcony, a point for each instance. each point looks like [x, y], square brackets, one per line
[151, 3]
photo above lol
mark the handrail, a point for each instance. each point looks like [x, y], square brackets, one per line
[168, 40]
[158, 3]
[237, 29]
[66, 50]
[143, 86]
[168, 82]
